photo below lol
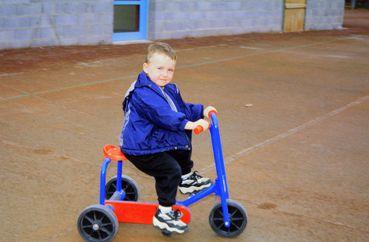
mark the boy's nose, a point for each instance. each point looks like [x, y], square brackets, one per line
[165, 73]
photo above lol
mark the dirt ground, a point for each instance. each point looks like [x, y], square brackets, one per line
[297, 158]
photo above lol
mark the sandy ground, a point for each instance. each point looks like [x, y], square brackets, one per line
[297, 159]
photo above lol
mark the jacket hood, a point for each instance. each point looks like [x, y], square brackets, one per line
[143, 80]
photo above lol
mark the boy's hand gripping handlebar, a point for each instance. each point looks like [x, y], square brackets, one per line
[208, 110]
[199, 128]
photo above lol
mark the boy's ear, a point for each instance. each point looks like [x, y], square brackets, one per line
[145, 67]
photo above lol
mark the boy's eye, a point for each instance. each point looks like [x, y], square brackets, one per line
[171, 70]
[160, 68]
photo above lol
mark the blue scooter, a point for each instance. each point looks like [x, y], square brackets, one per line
[119, 199]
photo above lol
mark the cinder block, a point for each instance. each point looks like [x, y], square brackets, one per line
[193, 4]
[218, 5]
[105, 6]
[90, 30]
[67, 7]
[28, 9]
[8, 23]
[19, 44]
[107, 30]
[43, 42]
[204, 5]
[68, 32]
[5, 44]
[234, 5]
[46, 20]
[163, 35]
[48, 7]
[86, 19]
[7, 35]
[239, 14]
[66, 41]
[93, 39]
[44, 33]
[104, 19]
[8, 9]
[66, 19]
[23, 35]
[20, 1]
[87, 7]
[25, 22]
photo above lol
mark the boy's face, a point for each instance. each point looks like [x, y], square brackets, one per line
[160, 69]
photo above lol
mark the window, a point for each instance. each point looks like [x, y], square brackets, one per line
[130, 20]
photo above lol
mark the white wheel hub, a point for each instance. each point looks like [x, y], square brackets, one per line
[95, 227]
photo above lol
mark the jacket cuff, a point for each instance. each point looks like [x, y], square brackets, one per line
[183, 124]
[202, 111]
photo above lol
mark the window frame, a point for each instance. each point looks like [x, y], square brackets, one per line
[141, 34]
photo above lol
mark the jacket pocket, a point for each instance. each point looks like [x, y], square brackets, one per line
[158, 139]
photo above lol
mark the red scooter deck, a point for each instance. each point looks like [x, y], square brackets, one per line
[141, 212]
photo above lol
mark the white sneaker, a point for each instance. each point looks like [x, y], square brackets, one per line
[193, 182]
[169, 221]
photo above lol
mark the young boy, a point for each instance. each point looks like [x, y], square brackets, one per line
[156, 134]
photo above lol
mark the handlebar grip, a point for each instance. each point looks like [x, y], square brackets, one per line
[212, 111]
[198, 129]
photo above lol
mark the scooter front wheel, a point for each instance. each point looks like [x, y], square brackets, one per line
[237, 216]
[97, 223]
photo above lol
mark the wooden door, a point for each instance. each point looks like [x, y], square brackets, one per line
[294, 15]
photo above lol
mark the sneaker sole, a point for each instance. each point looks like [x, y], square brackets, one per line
[189, 190]
[164, 226]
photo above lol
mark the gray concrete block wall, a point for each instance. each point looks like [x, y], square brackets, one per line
[30, 23]
[193, 18]
[324, 14]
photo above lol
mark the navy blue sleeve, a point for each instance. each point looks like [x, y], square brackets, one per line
[156, 110]
[195, 111]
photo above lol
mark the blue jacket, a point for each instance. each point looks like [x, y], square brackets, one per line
[151, 125]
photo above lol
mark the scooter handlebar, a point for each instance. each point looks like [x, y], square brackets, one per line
[212, 112]
[199, 129]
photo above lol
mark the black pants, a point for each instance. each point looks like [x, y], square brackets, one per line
[167, 169]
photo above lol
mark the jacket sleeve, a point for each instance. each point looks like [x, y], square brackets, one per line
[156, 110]
[195, 111]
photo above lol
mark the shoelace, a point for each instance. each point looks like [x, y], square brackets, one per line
[195, 176]
[177, 214]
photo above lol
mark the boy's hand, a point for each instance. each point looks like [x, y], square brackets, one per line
[201, 122]
[207, 111]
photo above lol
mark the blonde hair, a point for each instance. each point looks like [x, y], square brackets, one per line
[160, 48]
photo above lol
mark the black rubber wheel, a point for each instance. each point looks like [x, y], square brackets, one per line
[97, 223]
[166, 233]
[129, 186]
[238, 219]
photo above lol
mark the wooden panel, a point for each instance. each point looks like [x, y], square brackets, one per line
[294, 15]
[295, 1]
[294, 5]
[294, 20]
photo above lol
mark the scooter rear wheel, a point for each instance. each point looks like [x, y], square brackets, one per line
[237, 216]
[129, 186]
